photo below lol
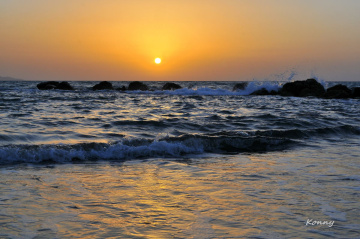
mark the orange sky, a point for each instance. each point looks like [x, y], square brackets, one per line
[196, 40]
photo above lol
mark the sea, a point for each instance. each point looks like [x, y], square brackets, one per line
[203, 161]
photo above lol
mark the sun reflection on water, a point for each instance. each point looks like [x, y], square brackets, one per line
[269, 195]
[151, 200]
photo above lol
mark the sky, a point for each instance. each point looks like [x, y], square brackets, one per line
[231, 40]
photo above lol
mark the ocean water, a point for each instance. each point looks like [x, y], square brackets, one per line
[199, 162]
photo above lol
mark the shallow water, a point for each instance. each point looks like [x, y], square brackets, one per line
[268, 195]
[202, 162]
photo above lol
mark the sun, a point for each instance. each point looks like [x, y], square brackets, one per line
[157, 60]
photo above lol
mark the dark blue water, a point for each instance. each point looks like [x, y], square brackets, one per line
[204, 117]
[199, 162]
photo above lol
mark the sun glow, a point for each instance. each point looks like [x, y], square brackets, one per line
[157, 60]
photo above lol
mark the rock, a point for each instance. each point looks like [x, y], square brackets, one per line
[123, 88]
[356, 92]
[336, 95]
[338, 92]
[136, 85]
[171, 86]
[104, 85]
[262, 91]
[240, 86]
[339, 87]
[274, 92]
[49, 85]
[64, 86]
[310, 87]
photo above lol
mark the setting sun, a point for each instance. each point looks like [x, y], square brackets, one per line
[157, 60]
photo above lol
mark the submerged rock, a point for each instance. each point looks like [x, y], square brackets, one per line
[104, 85]
[310, 87]
[171, 86]
[136, 85]
[240, 86]
[54, 85]
[338, 92]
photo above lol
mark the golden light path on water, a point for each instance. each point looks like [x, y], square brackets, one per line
[270, 195]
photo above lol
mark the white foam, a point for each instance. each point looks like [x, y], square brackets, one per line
[254, 86]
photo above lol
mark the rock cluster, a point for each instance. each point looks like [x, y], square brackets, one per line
[309, 87]
[135, 85]
[54, 85]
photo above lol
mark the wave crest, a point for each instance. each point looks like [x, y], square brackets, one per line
[170, 147]
[127, 149]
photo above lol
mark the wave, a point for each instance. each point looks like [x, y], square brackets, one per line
[344, 130]
[127, 149]
[254, 86]
[169, 147]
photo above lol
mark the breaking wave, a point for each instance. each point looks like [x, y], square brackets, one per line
[168, 147]
[138, 149]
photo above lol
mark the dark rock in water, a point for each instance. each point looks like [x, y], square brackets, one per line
[356, 92]
[64, 86]
[123, 88]
[171, 86]
[240, 86]
[136, 85]
[49, 85]
[273, 92]
[338, 92]
[339, 87]
[310, 87]
[262, 91]
[104, 85]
